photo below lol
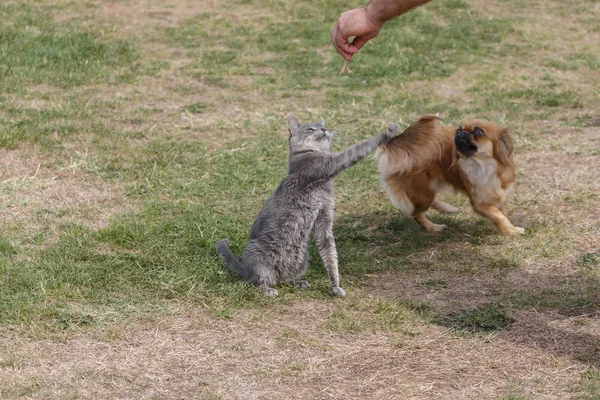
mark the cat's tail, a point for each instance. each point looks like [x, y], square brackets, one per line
[228, 258]
[412, 151]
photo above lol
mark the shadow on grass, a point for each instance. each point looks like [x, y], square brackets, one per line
[567, 326]
[467, 279]
[382, 243]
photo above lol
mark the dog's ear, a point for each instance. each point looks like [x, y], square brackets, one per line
[504, 147]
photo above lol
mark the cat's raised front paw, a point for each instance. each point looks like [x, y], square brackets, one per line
[392, 130]
[338, 291]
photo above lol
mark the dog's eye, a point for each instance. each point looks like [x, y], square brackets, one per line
[478, 132]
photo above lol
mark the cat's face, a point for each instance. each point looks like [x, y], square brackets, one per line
[313, 136]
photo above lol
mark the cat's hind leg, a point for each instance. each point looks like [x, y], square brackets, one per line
[302, 283]
[323, 233]
[295, 268]
[268, 291]
[263, 279]
[299, 283]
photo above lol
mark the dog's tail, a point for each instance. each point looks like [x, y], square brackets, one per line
[412, 151]
[228, 258]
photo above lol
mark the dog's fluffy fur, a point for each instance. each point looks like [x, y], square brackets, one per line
[475, 159]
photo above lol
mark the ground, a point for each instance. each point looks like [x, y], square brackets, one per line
[135, 134]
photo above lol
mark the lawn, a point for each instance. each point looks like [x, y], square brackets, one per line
[135, 134]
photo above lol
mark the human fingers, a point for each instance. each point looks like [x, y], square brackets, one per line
[341, 43]
[359, 41]
[353, 23]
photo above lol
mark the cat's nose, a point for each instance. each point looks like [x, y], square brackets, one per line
[324, 129]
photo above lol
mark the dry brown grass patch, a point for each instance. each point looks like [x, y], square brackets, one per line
[280, 354]
[576, 337]
[36, 196]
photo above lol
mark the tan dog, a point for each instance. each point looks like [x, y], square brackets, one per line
[475, 159]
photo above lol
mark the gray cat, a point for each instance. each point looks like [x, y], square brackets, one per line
[277, 249]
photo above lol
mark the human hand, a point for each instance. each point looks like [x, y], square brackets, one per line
[353, 23]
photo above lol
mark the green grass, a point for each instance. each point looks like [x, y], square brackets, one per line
[6, 248]
[45, 62]
[568, 297]
[191, 185]
[589, 264]
[389, 316]
[485, 318]
[590, 383]
[38, 51]
[155, 137]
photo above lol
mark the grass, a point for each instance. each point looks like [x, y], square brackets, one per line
[488, 317]
[590, 381]
[130, 143]
[589, 263]
[38, 51]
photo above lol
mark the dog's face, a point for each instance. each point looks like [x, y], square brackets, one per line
[482, 138]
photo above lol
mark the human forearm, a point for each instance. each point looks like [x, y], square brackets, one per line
[379, 11]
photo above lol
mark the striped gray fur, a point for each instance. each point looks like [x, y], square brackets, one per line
[303, 203]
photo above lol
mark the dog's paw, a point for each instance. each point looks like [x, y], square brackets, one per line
[437, 227]
[515, 230]
[338, 291]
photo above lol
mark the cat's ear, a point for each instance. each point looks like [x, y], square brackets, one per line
[322, 122]
[293, 124]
